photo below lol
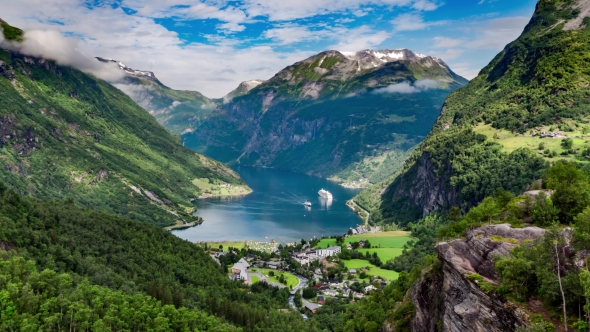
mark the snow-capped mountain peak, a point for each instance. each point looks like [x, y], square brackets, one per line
[130, 71]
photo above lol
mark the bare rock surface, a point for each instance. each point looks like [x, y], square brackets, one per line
[448, 300]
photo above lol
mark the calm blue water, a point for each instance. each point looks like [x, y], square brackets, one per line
[274, 210]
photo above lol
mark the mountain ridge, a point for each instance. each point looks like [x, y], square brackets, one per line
[282, 119]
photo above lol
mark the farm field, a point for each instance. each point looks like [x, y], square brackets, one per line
[389, 245]
[392, 239]
[292, 280]
[374, 271]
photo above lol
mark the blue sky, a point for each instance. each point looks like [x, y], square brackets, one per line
[211, 46]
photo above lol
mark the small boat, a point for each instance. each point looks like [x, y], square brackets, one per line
[307, 203]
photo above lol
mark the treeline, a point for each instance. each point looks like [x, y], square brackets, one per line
[134, 258]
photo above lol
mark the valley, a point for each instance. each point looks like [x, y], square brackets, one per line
[366, 191]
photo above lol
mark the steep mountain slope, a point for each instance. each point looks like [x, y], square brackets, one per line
[66, 134]
[529, 105]
[242, 89]
[179, 111]
[330, 112]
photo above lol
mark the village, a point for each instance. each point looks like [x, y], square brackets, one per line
[312, 273]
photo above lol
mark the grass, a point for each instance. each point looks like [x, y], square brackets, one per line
[226, 244]
[374, 271]
[385, 254]
[255, 279]
[292, 280]
[511, 141]
[392, 239]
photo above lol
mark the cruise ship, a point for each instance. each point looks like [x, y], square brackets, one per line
[325, 194]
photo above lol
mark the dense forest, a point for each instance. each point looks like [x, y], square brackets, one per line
[84, 252]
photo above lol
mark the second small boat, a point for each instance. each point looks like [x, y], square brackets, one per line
[307, 203]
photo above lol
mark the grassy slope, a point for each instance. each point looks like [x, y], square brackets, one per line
[538, 81]
[61, 127]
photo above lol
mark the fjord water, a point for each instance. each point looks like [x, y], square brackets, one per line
[274, 210]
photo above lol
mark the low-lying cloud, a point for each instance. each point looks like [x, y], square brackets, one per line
[407, 87]
[52, 45]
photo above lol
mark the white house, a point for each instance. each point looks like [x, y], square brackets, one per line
[330, 251]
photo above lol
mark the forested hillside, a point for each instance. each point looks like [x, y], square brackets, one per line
[527, 108]
[68, 267]
[67, 134]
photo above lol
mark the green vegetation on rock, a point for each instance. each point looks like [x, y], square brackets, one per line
[489, 132]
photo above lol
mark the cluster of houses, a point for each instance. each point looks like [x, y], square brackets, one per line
[335, 289]
[312, 255]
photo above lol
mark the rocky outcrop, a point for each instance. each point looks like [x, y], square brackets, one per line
[450, 301]
[427, 190]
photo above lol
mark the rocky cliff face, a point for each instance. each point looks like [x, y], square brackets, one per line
[449, 300]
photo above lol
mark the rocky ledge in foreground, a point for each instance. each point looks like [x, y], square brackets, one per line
[451, 300]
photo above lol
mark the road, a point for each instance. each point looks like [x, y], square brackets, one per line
[360, 208]
[302, 283]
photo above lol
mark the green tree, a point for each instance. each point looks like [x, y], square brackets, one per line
[544, 213]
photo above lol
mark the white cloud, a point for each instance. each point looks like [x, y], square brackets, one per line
[407, 88]
[425, 5]
[52, 45]
[290, 10]
[412, 22]
[446, 42]
[352, 40]
[291, 34]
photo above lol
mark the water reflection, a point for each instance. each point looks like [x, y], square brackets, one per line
[325, 203]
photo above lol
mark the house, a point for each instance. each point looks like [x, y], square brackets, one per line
[320, 299]
[352, 271]
[274, 265]
[370, 288]
[349, 246]
[317, 271]
[358, 295]
[330, 292]
[311, 306]
[330, 251]
[240, 266]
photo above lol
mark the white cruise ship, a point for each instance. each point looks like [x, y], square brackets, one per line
[325, 194]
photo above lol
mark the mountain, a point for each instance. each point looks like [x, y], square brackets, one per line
[67, 134]
[527, 108]
[333, 114]
[179, 111]
[242, 89]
